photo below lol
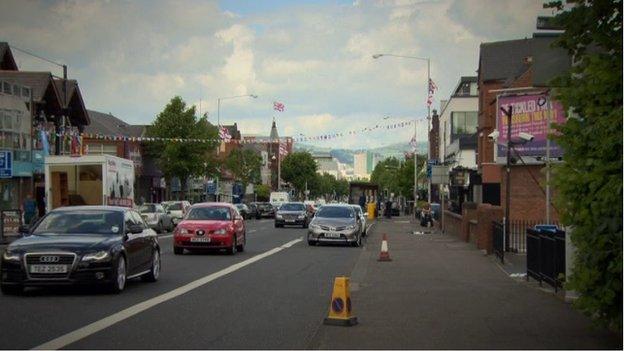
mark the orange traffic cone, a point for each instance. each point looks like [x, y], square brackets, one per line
[384, 255]
[340, 305]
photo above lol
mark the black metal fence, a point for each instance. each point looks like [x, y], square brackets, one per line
[498, 240]
[516, 240]
[546, 256]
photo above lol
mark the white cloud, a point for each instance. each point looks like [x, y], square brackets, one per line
[131, 57]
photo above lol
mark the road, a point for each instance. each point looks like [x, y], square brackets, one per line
[273, 295]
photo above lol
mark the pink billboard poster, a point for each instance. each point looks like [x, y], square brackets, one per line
[529, 115]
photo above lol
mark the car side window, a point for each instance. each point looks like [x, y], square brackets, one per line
[138, 220]
[160, 209]
[128, 220]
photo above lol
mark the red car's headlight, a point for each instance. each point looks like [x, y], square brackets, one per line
[221, 231]
[181, 231]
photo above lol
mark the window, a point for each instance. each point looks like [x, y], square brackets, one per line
[463, 123]
[6, 87]
[138, 220]
[25, 92]
[16, 90]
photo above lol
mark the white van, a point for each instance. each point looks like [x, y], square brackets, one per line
[277, 198]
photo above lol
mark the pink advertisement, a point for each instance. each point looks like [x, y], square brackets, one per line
[529, 115]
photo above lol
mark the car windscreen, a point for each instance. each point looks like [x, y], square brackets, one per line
[335, 212]
[176, 206]
[81, 222]
[147, 208]
[209, 214]
[357, 209]
[292, 207]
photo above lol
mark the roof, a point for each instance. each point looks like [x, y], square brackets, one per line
[91, 207]
[38, 82]
[7, 62]
[503, 59]
[106, 123]
[273, 134]
[507, 60]
[212, 204]
[77, 108]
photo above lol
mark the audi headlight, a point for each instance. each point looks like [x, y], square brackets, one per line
[96, 256]
[279, 216]
[314, 227]
[10, 256]
[221, 231]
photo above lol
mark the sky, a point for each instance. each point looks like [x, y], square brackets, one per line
[131, 57]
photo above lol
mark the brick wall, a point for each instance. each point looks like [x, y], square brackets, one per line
[452, 223]
[528, 201]
[469, 213]
[486, 213]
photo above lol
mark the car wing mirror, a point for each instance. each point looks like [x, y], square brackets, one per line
[135, 229]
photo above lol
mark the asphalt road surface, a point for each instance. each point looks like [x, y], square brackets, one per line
[273, 295]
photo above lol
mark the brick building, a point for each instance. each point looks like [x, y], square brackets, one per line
[514, 67]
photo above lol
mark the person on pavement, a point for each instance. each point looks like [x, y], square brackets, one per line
[29, 207]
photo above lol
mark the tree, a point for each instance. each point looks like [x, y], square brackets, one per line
[298, 168]
[263, 192]
[244, 165]
[183, 159]
[589, 182]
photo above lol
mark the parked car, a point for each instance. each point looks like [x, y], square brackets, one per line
[362, 215]
[243, 210]
[292, 213]
[156, 217]
[176, 209]
[265, 210]
[211, 225]
[335, 223]
[103, 245]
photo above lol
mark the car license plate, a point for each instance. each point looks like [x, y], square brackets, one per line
[290, 221]
[332, 235]
[200, 240]
[48, 268]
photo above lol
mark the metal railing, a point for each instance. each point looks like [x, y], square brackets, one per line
[546, 256]
[498, 240]
[516, 240]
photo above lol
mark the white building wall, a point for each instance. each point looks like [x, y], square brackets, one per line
[359, 164]
[455, 104]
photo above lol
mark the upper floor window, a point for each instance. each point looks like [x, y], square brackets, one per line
[463, 123]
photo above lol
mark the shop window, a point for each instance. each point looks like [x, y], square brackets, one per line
[463, 123]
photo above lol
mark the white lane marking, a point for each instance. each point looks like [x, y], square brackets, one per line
[115, 318]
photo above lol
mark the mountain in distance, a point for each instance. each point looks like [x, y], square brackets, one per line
[346, 155]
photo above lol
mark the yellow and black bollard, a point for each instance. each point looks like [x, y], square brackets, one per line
[340, 309]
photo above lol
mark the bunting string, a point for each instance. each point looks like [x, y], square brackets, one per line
[226, 138]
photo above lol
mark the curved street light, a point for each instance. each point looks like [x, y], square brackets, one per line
[226, 98]
[376, 56]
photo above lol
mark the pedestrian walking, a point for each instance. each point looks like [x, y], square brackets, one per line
[29, 208]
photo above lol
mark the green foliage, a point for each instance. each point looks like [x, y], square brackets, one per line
[263, 192]
[326, 185]
[397, 177]
[589, 182]
[182, 159]
[298, 168]
[244, 165]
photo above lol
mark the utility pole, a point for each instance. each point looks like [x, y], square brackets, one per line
[548, 119]
[508, 112]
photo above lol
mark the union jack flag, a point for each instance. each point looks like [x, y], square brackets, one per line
[224, 134]
[432, 88]
[278, 106]
[283, 151]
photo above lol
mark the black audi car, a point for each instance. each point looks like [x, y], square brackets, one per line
[292, 213]
[102, 245]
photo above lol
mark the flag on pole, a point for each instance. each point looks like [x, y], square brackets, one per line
[432, 88]
[224, 134]
[278, 106]
[413, 143]
[283, 151]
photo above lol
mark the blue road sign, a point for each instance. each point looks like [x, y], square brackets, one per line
[6, 164]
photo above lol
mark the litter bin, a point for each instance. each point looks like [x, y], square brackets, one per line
[371, 210]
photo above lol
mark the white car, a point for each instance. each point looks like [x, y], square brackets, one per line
[362, 215]
[177, 210]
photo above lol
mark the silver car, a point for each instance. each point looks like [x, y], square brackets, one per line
[156, 217]
[362, 215]
[335, 223]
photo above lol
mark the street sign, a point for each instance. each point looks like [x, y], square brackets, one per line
[6, 164]
[439, 175]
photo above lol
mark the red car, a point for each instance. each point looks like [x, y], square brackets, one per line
[210, 226]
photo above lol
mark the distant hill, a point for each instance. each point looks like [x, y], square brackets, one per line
[346, 155]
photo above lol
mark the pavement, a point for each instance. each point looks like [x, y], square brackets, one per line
[436, 293]
[442, 293]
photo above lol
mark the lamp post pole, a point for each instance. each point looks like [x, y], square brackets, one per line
[376, 56]
[508, 112]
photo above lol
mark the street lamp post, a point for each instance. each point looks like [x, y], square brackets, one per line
[376, 56]
[229, 97]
